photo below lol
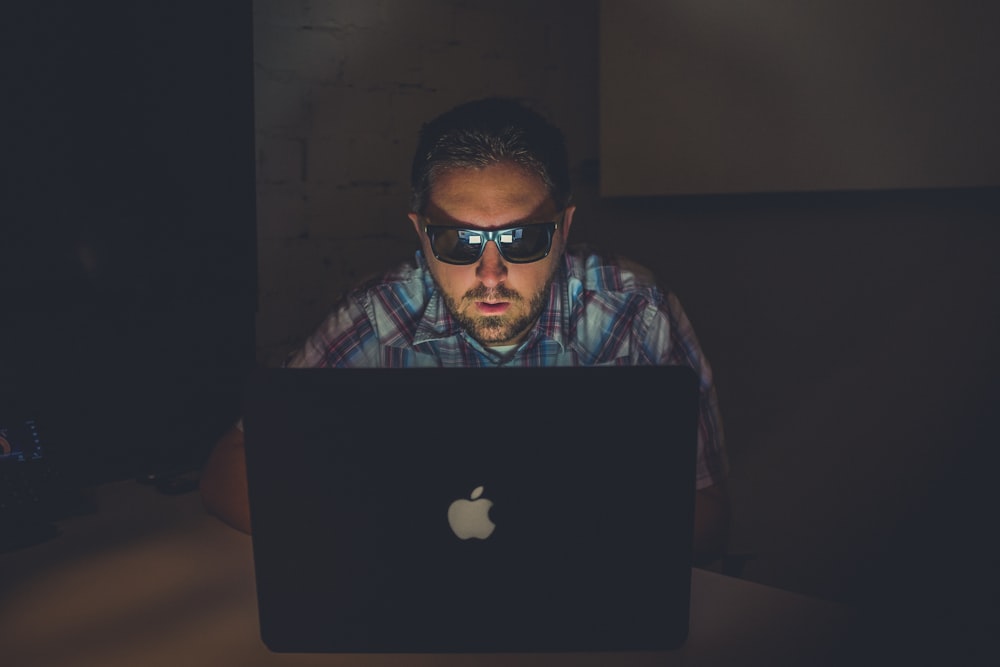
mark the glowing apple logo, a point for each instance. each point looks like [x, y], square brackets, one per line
[470, 518]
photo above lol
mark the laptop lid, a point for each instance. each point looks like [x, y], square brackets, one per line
[472, 510]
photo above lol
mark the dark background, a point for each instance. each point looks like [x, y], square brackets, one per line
[128, 248]
[852, 333]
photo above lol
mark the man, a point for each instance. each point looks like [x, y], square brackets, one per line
[494, 283]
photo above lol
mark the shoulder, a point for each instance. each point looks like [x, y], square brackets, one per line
[597, 271]
[616, 310]
[405, 282]
[381, 308]
[606, 287]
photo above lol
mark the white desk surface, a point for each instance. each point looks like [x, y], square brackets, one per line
[150, 579]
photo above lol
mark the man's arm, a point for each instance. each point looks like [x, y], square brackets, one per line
[711, 523]
[223, 481]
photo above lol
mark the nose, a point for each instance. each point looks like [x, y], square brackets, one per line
[492, 270]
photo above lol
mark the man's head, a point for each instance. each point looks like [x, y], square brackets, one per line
[485, 166]
[486, 132]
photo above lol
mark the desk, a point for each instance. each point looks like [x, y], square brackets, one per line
[150, 579]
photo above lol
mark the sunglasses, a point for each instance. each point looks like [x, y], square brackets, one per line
[517, 245]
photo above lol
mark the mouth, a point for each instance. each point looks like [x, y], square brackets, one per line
[492, 307]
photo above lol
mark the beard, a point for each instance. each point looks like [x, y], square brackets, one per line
[498, 329]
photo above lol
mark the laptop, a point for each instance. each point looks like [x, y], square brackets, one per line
[463, 510]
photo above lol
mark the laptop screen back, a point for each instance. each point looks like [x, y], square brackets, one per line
[472, 510]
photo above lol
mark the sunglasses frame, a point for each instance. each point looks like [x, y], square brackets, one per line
[493, 235]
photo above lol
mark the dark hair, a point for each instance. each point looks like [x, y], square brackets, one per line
[486, 132]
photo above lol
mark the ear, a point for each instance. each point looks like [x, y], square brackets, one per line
[415, 219]
[567, 221]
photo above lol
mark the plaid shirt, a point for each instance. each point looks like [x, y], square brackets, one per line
[599, 313]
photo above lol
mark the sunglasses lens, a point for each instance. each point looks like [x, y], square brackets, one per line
[457, 246]
[526, 244]
[464, 246]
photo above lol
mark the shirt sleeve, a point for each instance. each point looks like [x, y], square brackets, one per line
[345, 338]
[681, 348]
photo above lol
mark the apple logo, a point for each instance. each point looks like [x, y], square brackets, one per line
[470, 518]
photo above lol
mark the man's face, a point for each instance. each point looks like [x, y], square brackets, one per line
[496, 301]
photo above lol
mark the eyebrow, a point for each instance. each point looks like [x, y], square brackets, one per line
[523, 222]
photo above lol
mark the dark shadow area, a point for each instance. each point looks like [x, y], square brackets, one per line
[852, 336]
[128, 269]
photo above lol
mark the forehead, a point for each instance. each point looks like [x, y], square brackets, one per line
[489, 196]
